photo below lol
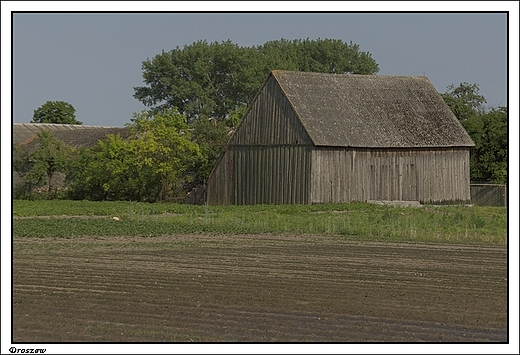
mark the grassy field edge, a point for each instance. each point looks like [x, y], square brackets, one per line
[354, 221]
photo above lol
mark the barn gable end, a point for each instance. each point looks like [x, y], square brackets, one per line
[268, 157]
[271, 120]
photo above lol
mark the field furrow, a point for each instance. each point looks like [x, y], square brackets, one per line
[263, 289]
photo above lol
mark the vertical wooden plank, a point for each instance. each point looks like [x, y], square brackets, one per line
[270, 181]
[333, 182]
[448, 156]
[349, 175]
[378, 176]
[308, 171]
[266, 175]
[356, 185]
[321, 178]
[287, 180]
[293, 180]
[286, 172]
[377, 190]
[279, 175]
[247, 182]
[307, 174]
[311, 167]
[316, 176]
[343, 174]
[329, 174]
[426, 161]
[298, 181]
[360, 186]
[399, 163]
[304, 172]
[259, 174]
[297, 176]
[419, 159]
[239, 175]
[336, 184]
[282, 175]
[255, 175]
[243, 177]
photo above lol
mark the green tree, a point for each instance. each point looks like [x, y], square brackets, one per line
[164, 151]
[464, 100]
[486, 127]
[84, 177]
[212, 137]
[55, 112]
[321, 55]
[217, 79]
[151, 165]
[22, 164]
[38, 167]
[489, 156]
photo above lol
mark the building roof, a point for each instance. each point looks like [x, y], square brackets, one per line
[372, 111]
[74, 135]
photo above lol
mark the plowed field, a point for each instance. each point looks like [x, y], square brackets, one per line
[256, 289]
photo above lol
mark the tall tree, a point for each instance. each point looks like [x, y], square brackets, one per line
[486, 127]
[215, 80]
[321, 55]
[489, 156]
[55, 112]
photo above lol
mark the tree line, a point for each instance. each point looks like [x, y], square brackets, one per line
[195, 97]
[487, 128]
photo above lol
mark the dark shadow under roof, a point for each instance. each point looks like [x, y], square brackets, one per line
[372, 111]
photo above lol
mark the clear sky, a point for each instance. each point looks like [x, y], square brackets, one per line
[93, 60]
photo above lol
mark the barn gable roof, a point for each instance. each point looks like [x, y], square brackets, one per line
[372, 111]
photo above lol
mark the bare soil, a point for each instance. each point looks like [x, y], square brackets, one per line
[260, 288]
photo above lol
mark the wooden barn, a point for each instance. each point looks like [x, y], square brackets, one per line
[316, 138]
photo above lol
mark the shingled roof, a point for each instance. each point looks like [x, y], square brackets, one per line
[372, 111]
[73, 135]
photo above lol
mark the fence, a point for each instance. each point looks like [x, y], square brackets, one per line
[488, 195]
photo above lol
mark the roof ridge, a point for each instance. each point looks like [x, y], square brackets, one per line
[298, 72]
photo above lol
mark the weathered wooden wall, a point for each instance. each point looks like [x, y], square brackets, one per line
[267, 160]
[271, 175]
[220, 190]
[271, 159]
[425, 175]
[271, 121]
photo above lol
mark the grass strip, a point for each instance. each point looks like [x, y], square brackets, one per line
[355, 221]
